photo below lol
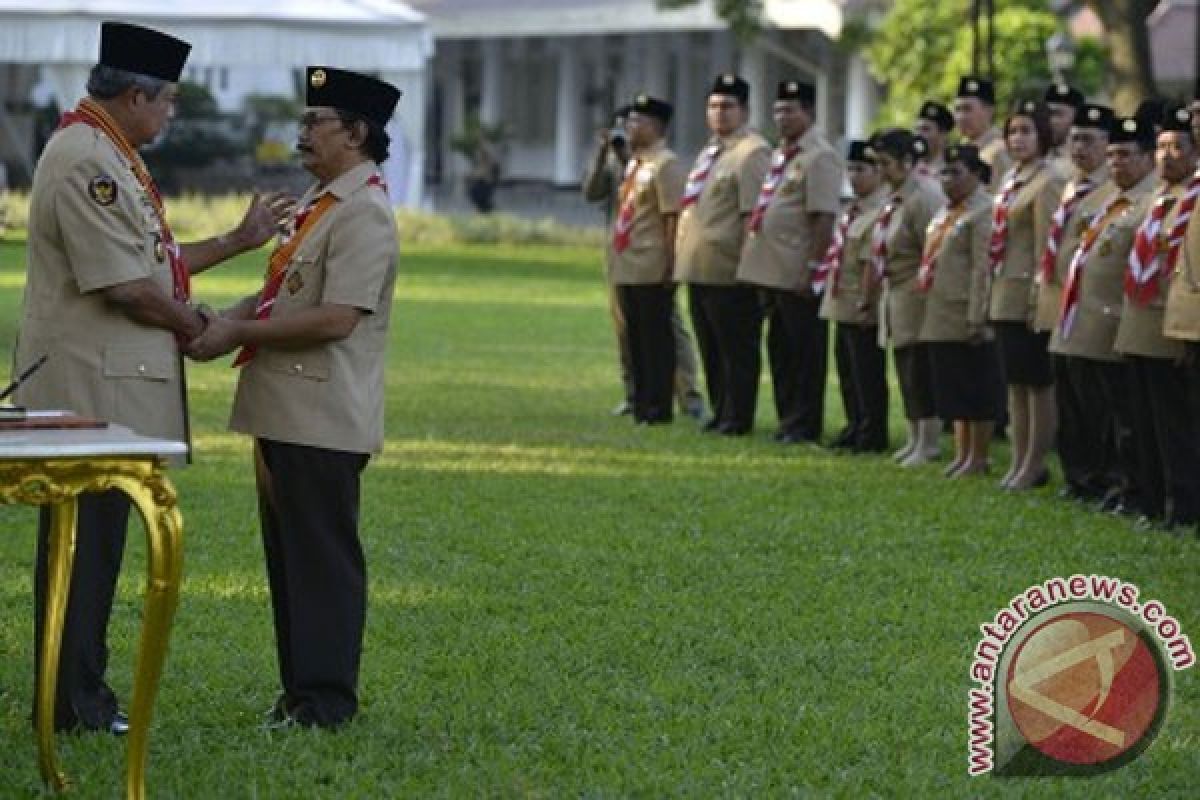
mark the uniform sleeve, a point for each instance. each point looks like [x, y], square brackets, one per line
[670, 181]
[362, 252]
[823, 185]
[104, 230]
[750, 177]
[981, 273]
[1043, 210]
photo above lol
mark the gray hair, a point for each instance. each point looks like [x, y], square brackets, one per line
[106, 83]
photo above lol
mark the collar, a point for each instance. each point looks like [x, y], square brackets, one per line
[648, 153]
[1143, 187]
[1099, 176]
[729, 141]
[349, 181]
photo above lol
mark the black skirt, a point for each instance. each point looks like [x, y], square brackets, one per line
[1024, 354]
[965, 377]
[916, 380]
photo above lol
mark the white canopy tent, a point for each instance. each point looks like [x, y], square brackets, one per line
[376, 36]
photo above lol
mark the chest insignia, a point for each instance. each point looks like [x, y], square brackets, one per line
[103, 190]
[295, 282]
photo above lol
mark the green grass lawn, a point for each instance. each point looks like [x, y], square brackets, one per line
[562, 605]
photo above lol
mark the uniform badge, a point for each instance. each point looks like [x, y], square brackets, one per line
[317, 79]
[103, 190]
[160, 250]
[295, 282]
[1162, 243]
[1105, 248]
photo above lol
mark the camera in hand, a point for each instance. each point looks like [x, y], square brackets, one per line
[616, 137]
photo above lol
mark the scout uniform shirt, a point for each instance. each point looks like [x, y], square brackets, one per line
[330, 395]
[91, 226]
[777, 255]
[1013, 298]
[851, 296]
[957, 294]
[1182, 317]
[1101, 291]
[905, 243]
[1049, 287]
[655, 188]
[1141, 330]
[711, 231]
[993, 153]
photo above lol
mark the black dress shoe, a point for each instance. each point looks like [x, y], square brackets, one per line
[793, 438]
[844, 439]
[119, 724]
[712, 426]
[730, 429]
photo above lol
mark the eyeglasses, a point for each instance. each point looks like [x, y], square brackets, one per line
[311, 120]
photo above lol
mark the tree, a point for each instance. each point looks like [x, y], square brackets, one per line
[922, 48]
[744, 16]
[1131, 67]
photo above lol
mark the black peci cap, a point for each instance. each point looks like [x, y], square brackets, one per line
[729, 84]
[349, 91]
[1094, 116]
[858, 150]
[1064, 94]
[1028, 108]
[968, 156]
[1177, 119]
[797, 90]
[937, 114]
[143, 51]
[974, 86]
[652, 107]
[1132, 129]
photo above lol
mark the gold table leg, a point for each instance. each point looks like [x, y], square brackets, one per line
[58, 483]
[61, 556]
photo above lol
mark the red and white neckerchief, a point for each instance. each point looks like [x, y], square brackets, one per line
[699, 174]
[623, 226]
[829, 271]
[941, 225]
[1000, 208]
[879, 234]
[779, 161]
[1074, 285]
[1058, 226]
[1146, 265]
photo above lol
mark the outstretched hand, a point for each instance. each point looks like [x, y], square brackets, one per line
[218, 338]
[266, 216]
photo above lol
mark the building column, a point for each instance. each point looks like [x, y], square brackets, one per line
[656, 66]
[860, 97]
[454, 113]
[689, 108]
[752, 65]
[567, 117]
[491, 82]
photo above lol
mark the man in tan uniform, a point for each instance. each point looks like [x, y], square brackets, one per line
[1064, 103]
[1092, 299]
[311, 391]
[601, 184]
[642, 256]
[1169, 454]
[974, 110]
[789, 232]
[1084, 421]
[934, 124]
[721, 191]
[106, 300]
[851, 299]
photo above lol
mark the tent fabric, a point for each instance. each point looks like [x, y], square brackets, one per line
[387, 38]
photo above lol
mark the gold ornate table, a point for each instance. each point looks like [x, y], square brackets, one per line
[52, 467]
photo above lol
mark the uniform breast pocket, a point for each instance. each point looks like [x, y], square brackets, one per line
[312, 365]
[302, 285]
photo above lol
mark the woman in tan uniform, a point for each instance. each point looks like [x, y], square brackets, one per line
[1021, 215]
[897, 243]
[954, 277]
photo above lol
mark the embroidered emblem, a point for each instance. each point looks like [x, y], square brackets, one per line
[1106, 248]
[1094, 114]
[317, 79]
[295, 282]
[1130, 125]
[103, 190]
[972, 86]
[727, 80]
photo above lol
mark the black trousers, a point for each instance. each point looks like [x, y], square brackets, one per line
[308, 511]
[82, 697]
[862, 374]
[1115, 382]
[728, 325]
[797, 351]
[1087, 431]
[647, 311]
[1166, 441]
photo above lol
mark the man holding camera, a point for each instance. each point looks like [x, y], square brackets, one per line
[601, 185]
